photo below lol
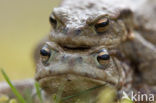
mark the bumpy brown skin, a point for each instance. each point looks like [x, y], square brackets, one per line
[76, 29]
[79, 68]
[145, 20]
[142, 50]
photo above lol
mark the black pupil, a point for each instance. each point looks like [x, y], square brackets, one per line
[52, 20]
[44, 52]
[103, 57]
[103, 24]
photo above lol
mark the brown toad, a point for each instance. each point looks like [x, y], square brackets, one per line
[96, 42]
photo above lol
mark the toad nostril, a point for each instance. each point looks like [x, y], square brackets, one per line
[65, 58]
[77, 32]
[79, 59]
[65, 30]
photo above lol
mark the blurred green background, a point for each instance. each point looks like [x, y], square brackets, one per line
[23, 23]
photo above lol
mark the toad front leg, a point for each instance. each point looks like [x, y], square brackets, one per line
[22, 86]
[142, 53]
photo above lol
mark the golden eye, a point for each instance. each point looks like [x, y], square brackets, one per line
[45, 54]
[53, 21]
[103, 57]
[102, 25]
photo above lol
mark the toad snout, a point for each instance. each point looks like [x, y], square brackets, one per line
[72, 60]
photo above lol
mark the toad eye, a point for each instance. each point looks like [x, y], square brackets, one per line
[45, 54]
[103, 57]
[53, 21]
[101, 25]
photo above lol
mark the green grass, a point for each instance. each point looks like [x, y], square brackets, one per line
[105, 96]
[82, 92]
[18, 95]
[14, 90]
[38, 91]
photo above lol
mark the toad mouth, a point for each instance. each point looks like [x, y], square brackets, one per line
[76, 48]
[72, 84]
[74, 76]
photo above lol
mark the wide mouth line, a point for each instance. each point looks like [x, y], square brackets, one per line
[60, 74]
[89, 78]
[76, 48]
